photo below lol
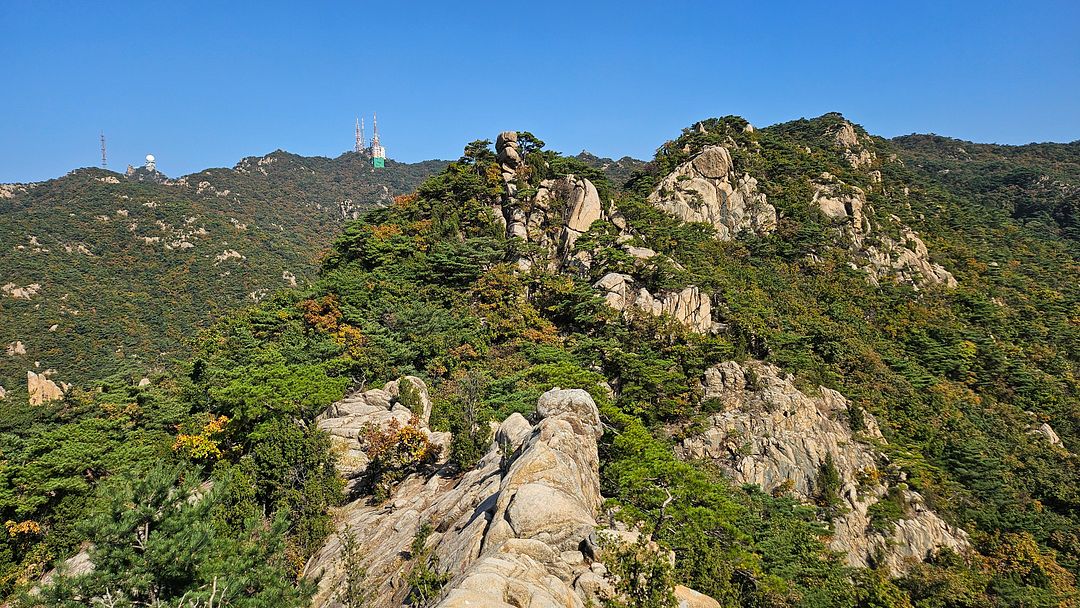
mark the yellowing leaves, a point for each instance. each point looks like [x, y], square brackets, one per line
[22, 528]
[324, 314]
[205, 444]
[383, 232]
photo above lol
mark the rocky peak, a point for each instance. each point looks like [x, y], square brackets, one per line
[770, 433]
[560, 211]
[856, 153]
[707, 188]
[538, 219]
[845, 136]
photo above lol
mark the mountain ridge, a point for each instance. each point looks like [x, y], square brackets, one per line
[792, 366]
[93, 234]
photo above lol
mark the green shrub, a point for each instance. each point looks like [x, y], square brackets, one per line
[425, 581]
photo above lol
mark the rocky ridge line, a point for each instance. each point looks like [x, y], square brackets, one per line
[901, 255]
[882, 256]
[519, 529]
[563, 209]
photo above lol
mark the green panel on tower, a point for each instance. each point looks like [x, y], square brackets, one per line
[378, 163]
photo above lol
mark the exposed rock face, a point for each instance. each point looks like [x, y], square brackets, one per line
[11, 190]
[3, 392]
[554, 217]
[707, 189]
[771, 434]
[41, 388]
[688, 306]
[21, 293]
[228, 254]
[882, 256]
[76, 565]
[1047, 432]
[380, 408]
[688, 598]
[583, 205]
[846, 136]
[856, 154]
[509, 532]
[16, 348]
[563, 209]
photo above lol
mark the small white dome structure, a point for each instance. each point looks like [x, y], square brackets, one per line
[150, 162]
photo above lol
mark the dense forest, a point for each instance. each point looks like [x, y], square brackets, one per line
[214, 482]
[128, 265]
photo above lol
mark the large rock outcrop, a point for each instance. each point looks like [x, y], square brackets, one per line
[559, 212]
[770, 433]
[687, 306]
[41, 388]
[562, 209]
[516, 530]
[21, 293]
[855, 152]
[905, 259]
[508, 532]
[707, 189]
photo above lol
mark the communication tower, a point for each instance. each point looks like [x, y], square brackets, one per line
[104, 163]
[378, 153]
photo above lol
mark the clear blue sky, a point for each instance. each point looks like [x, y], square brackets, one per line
[202, 84]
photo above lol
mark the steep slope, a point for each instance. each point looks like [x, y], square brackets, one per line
[104, 273]
[513, 528]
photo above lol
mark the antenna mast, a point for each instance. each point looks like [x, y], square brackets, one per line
[359, 137]
[378, 153]
[104, 162]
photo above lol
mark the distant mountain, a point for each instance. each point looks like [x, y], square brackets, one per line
[100, 269]
[617, 171]
[1032, 183]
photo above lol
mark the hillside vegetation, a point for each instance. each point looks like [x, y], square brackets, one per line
[942, 306]
[126, 269]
